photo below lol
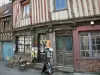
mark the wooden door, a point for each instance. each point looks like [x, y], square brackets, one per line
[64, 50]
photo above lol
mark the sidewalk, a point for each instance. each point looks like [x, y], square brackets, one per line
[15, 71]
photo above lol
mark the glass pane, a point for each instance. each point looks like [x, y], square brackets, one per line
[93, 34]
[93, 53]
[57, 2]
[69, 43]
[93, 47]
[82, 47]
[87, 54]
[27, 48]
[21, 50]
[98, 40]
[84, 43]
[59, 43]
[83, 53]
[28, 9]
[93, 40]
[63, 4]
[98, 47]
[98, 54]
[42, 42]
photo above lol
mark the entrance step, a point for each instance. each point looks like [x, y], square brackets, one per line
[40, 66]
[55, 68]
[65, 69]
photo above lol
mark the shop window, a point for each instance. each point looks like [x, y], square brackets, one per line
[24, 44]
[60, 4]
[90, 44]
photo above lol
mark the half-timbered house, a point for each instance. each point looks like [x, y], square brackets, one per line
[77, 33]
[72, 26]
[6, 40]
[28, 17]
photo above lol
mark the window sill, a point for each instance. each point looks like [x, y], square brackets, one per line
[89, 58]
[25, 17]
[60, 10]
[22, 53]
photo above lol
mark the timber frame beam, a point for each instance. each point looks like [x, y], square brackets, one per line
[68, 21]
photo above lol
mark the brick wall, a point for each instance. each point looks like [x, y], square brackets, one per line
[90, 65]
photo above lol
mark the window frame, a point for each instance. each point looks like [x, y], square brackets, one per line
[24, 11]
[90, 46]
[24, 44]
[22, 8]
[61, 9]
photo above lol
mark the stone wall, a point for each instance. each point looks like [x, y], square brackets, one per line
[90, 65]
[26, 57]
[0, 56]
[0, 52]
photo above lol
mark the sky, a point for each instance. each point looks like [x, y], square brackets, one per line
[3, 1]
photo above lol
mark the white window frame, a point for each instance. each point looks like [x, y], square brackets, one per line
[26, 10]
[90, 50]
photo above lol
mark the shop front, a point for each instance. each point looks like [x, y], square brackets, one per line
[87, 48]
[23, 44]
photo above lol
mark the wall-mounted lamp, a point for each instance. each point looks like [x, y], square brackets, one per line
[92, 22]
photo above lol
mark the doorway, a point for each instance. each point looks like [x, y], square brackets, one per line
[64, 50]
[41, 47]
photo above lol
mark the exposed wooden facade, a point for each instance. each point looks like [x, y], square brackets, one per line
[75, 9]
[6, 24]
[55, 25]
[5, 28]
[43, 11]
[6, 34]
[39, 13]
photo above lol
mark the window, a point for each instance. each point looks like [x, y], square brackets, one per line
[64, 42]
[26, 10]
[42, 43]
[24, 44]
[60, 4]
[90, 44]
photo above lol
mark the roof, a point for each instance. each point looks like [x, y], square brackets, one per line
[6, 10]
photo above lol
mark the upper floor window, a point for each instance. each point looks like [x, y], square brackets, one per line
[60, 4]
[26, 11]
[25, 8]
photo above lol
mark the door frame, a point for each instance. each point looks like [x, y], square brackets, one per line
[39, 45]
[65, 50]
[2, 45]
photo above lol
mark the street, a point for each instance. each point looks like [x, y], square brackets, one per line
[14, 71]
